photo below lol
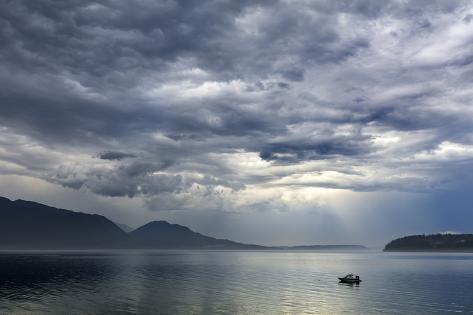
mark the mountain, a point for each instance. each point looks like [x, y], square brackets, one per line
[161, 234]
[30, 225]
[434, 242]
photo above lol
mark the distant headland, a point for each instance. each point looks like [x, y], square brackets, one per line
[26, 225]
[433, 242]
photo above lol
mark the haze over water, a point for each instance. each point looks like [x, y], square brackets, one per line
[224, 282]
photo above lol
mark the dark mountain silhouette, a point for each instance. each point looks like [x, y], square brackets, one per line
[161, 234]
[434, 242]
[30, 225]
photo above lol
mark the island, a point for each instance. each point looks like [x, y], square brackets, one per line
[434, 242]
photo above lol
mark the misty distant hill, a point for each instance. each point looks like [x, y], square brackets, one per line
[161, 234]
[435, 242]
[326, 247]
[124, 227]
[30, 225]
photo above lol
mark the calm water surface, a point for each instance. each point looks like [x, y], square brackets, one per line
[229, 282]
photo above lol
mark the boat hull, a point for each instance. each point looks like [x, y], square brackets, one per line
[345, 280]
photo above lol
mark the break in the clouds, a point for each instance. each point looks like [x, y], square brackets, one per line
[237, 105]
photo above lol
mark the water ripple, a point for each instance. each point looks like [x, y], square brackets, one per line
[204, 282]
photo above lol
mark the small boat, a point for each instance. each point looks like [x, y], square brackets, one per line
[350, 278]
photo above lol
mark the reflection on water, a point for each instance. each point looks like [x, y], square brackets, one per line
[171, 282]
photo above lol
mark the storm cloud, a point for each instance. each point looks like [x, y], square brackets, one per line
[231, 105]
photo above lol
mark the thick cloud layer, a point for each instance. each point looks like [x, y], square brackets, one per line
[237, 105]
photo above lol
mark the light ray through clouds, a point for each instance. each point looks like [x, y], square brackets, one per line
[262, 121]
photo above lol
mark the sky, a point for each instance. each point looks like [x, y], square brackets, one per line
[271, 122]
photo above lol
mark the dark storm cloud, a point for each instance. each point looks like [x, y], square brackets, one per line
[97, 40]
[114, 155]
[313, 149]
[184, 85]
[68, 66]
[128, 179]
[94, 41]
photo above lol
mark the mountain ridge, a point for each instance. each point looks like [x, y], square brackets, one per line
[153, 235]
[31, 225]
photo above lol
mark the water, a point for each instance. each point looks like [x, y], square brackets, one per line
[229, 282]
